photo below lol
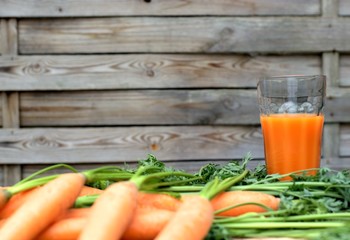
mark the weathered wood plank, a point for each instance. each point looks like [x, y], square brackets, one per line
[10, 108]
[2, 35]
[59, 8]
[8, 36]
[148, 107]
[344, 71]
[344, 136]
[2, 177]
[329, 8]
[91, 145]
[147, 71]
[10, 103]
[344, 7]
[331, 143]
[154, 107]
[330, 67]
[183, 34]
[337, 105]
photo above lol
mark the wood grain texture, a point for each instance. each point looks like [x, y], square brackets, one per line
[91, 145]
[2, 34]
[344, 137]
[140, 71]
[337, 105]
[59, 8]
[154, 107]
[330, 67]
[344, 7]
[1, 110]
[329, 8]
[183, 34]
[8, 36]
[10, 108]
[146, 107]
[344, 71]
[331, 143]
[2, 176]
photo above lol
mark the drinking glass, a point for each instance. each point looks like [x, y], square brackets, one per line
[291, 117]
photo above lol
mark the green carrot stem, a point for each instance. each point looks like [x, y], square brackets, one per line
[44, 170]
[30, 184]
[215, 187]
[141, 180]
[85, 201]
[179, 182]
[272, 225]
[249, 215]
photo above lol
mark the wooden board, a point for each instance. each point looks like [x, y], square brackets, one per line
[344, 7]
[92, 145]
[146, 107]
[184, 35]
[153, 107]
[2, 34]
[344, 140]
[344, 71]
[337, 105]
[58, 8]
[1, 110]
[92, 72]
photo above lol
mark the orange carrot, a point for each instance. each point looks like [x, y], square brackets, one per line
[69, 228]
[43, 207]
[195, 215]
[2, 221]
[158, 200]
[4, 197]
[231, 198]
[74, 213]
[86, 190]
[64, 229]
[15, 202]
[112, 212]
[147, 223]
[192, 220]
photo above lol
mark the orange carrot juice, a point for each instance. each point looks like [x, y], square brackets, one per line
[292, 142]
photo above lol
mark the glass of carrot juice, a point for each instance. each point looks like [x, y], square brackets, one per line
[291, 117]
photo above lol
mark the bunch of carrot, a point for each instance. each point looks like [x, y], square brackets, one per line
[153, 202]
[47, 207]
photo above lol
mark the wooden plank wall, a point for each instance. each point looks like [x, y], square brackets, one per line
[115, 80]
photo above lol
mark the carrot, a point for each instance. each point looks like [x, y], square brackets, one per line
[2, 221]
[147, 223]
[158, 200]
[64, 229]
[195, 215]
[77, 213]
[191, 221]
[4, 197]
[15, 202]
[86, 190]
[112, 212]
[233, 198]
[43, 207]
[69, 228]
